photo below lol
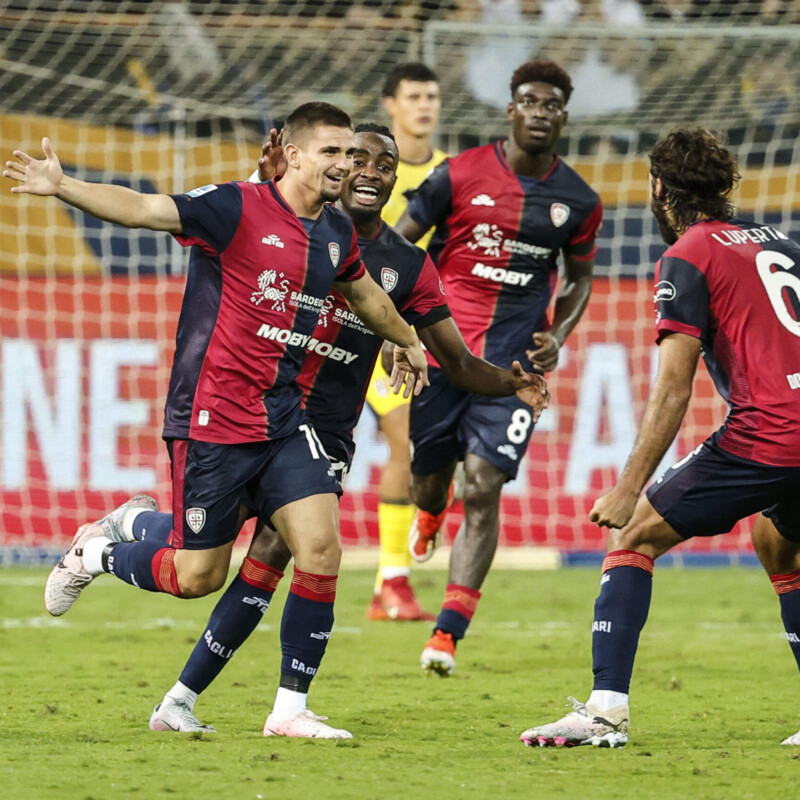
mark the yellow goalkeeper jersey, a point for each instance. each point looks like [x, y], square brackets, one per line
[409, 176]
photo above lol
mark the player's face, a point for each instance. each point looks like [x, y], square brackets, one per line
[537, 116]
[665, 227]
[415, 107]
[368, 186]
[326, 160]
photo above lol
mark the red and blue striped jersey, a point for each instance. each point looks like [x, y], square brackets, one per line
[342, 352]
[736, 286]
[258, 278]
[498, 236]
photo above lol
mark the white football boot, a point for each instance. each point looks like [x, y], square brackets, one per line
[68, 578]
[305, 725]
[583, 725]
[112, 523]
[173, 715]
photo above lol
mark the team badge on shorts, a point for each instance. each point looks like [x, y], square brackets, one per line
[333, 250]
[389, 278]
[559, 214]
[196, 518]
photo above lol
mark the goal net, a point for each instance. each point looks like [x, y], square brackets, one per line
[166, 96]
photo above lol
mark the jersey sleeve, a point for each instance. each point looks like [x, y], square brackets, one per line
[432, 202]
[352, 267]
[427, 303]
[209, 216]
[583, 242]
[681, 298]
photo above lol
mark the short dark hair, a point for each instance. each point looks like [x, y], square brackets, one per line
[698, 174]
[412, 71]
[309, 115]
[373, 127]
[542, 70]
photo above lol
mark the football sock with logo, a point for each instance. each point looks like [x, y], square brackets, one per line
[154, 526]
[148, 565]
[233, 619]
[620, 613]
[787, 587]
[460, 603]
[394, 520]
[306, 627]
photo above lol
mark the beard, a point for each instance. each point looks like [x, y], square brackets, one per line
[668, 233]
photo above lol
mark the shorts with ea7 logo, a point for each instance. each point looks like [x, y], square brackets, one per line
[447, 423]
[210, 481]
[710, 490]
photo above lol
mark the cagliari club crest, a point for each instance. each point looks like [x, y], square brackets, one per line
[196, 518]
[389, 278]
[333, 249]
[559, 214]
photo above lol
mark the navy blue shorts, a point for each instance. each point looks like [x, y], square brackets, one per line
[210, 482]
[709, 491]
[447, 423]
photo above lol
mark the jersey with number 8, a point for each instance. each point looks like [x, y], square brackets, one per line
[736, 286]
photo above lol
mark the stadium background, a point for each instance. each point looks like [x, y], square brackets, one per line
[169, 96]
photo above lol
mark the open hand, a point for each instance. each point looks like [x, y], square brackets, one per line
[545, 355]
[410, 370]
[40, 177]
[531, 389]
[272, 164]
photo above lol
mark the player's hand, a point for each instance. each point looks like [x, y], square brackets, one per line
[545, 356]
[614, 509]
[40, 177]
[410, 370]
[387, 357]
[531, 389]
[272, 164]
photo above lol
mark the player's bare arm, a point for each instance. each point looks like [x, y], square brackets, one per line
[378, 313]
[44, 177]
[570, 305]
[407, 227]
[665, 410]
[477, 375]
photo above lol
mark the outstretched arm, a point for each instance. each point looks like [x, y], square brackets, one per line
[477, 375]
[117, 204]
[379, 314]
[666, 407]
[570, 304]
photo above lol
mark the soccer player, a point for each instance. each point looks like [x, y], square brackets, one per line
[333, 378]
[234, 424]
[503, 214]
[728, 289]
[412, 99]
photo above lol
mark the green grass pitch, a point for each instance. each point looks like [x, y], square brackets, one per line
[714, 693]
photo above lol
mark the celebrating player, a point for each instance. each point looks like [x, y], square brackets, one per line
[503, 213]
[412, 99]
[234, 424]
[729, 289]
[333, 378]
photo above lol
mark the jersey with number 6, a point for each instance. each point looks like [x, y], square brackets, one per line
[736, 286]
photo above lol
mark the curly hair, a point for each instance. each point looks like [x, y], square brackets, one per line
[373, 127]
[542, 70]
[698, 174]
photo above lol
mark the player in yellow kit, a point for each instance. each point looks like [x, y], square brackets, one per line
[412, 99]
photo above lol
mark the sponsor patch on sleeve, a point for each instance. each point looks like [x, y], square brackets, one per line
[200, 191]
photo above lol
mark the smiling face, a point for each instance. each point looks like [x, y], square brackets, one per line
[537, 116]
[369, 185]
[415, 107]
[323, 158]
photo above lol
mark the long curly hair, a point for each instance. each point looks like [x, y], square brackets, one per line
[698, 174]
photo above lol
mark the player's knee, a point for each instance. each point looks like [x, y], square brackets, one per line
[482, 490]
[321, 556]
[197, 580]
[268, 548]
